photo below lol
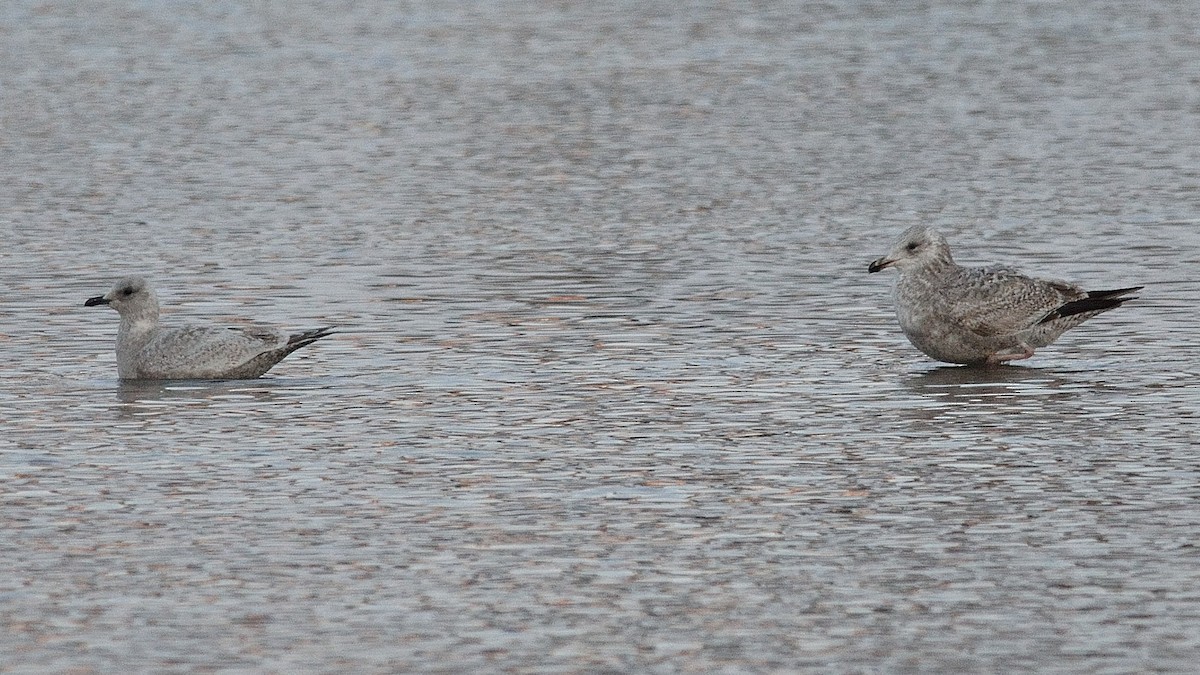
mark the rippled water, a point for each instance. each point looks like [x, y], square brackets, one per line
[614, 391]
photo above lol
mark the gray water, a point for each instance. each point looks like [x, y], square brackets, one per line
[614, 392]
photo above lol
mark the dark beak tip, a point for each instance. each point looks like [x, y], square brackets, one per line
[92, 302]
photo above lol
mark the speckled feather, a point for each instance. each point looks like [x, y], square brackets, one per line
[980, 314]
[146, 350]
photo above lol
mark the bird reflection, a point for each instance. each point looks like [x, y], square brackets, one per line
[994, 385]
[139, 397]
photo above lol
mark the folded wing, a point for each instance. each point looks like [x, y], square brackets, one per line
[203, 352]
[1005, 302]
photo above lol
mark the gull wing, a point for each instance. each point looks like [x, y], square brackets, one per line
[200, 352]
[999, 301]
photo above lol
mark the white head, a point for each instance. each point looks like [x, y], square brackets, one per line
[133, 299]
[919, 246]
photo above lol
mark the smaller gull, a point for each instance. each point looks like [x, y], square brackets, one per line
[147, 351]
[981, 315]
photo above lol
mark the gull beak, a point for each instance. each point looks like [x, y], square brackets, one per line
[98, 300]
[879, 264]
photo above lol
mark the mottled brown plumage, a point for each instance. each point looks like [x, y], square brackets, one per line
[981, 315]
[147, 351]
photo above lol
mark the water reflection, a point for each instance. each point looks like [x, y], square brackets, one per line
[964, 376]
[1013, 387]
[148, 397]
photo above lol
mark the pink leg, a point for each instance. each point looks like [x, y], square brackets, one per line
[997, 359]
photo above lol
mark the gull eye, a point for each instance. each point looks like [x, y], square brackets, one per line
[127, 291]
[912, 246]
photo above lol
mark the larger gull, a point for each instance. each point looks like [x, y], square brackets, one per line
[147, 351]
[981, 315]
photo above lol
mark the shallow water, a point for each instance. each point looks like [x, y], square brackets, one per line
[614, 391]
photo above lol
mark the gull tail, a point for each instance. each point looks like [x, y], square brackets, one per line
[1096, 301]
[264, 361]
[308, 337]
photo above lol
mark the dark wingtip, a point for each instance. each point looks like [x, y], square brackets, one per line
[310, 336]
[1115, 293]
[1096, 301]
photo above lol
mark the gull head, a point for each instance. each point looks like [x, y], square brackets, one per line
[132, 297]
[919, 246]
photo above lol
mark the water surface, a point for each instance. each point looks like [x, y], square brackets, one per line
[614, 392]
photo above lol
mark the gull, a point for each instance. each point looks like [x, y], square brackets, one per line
[147, 351]
[981, 315]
